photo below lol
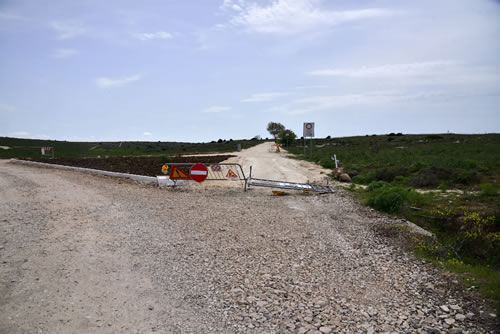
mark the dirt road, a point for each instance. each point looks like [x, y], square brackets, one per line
[92, 254]
[267, 164]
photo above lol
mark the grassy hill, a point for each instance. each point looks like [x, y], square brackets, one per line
[424, 161]
[446, 183]
[30, 148]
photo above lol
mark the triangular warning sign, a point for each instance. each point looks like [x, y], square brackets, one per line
[178, 174]
[230, 173]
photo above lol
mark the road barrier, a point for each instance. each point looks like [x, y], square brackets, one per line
[214, 172]
[307, 187]
[179, 173]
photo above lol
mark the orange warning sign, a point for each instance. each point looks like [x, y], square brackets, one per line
[178, 174]
[231, 174]
[164, 169]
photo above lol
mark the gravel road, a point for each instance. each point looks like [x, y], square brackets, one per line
[93, 254]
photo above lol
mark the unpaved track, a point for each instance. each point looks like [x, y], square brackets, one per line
[92, 254]
[268, 164]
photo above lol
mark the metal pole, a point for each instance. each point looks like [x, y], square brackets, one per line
[304, 147]
[247, 180]
[311, 148]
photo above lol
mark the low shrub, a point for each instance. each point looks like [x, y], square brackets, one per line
[388, 174]
[364, 178]
[431, 177]
[389, 198]
[488, 189]
[480, 237]
[434, 137]
[375, 185]
[386, 198]
[327, 164]
[166, 159]
[417, 166]
[467, 178]
[469, 164]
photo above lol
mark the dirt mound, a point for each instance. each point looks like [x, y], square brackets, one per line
[148, 166]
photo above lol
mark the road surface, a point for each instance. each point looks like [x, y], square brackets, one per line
[94, 254]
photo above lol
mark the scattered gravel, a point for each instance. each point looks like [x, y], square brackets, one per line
[94, 254]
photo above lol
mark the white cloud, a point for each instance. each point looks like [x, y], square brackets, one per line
[388, 70]
[216, 109]
[287, 17]
[109, 83]
[63, 53]
[9, 16]
[371, 99]
[147, 134]
[5, 108]
[19, 134]
[232, 4]
[264, 97]
[153, 35]
[68, 29]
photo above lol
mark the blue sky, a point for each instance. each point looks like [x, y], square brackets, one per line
[200, 70]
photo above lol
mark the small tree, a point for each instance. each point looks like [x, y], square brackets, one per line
[275, 128]
[284, 139]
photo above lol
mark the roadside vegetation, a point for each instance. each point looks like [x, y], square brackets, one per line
[445, 183]
[30, 148]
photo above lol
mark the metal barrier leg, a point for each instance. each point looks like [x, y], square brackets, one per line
[247, 180]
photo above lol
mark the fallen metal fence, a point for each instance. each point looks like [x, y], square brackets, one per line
[319, 188]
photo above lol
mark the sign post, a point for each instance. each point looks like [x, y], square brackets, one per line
[308, 132]
[44, 150]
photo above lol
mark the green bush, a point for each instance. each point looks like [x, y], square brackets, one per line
[166, 159]
[376, 185]
[469, 164]
[431, 177]
[385, 197]
[467, 178]
[388, 199]
[417, 166]
[488, 189]
[284, 139]
[388, 174]
[364, 178]
[400, 179]
[434, 137]
[327, 164]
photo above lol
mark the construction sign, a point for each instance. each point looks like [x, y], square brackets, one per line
[231, 175]
[178, 174]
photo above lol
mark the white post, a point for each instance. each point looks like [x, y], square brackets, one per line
[334, 158]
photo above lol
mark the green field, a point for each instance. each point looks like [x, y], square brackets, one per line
[464, 161]
[30, 148]
[447, 183]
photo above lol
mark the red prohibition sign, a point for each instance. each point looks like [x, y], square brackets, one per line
[309, 126]
[198, 172]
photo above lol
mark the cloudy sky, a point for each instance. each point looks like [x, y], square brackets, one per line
[200, 70]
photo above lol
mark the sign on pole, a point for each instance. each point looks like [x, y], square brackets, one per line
[308, 132]
[309, 129]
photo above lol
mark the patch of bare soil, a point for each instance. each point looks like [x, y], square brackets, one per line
[148, 166]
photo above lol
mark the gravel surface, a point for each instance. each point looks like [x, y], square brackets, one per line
[93, 254]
